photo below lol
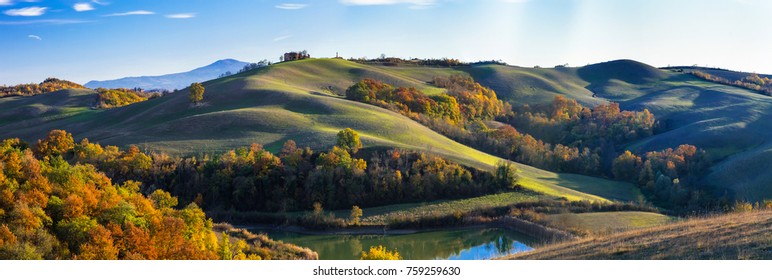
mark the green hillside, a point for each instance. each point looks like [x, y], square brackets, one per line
[293, 100]
[731, 123]
[28, 111]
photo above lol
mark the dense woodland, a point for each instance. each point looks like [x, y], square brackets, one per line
[251, 178]
[753, 82]
[670, 177]
[48, 85]
[54, 209]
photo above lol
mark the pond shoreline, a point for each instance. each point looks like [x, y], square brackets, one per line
[537, 231]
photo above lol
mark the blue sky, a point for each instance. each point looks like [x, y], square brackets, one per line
[86, 40]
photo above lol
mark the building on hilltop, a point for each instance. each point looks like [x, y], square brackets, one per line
[290, 56]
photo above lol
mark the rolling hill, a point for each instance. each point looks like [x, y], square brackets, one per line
[173, 81]
[300, 100]
[294, 100]
[731, 123]
[731, 236]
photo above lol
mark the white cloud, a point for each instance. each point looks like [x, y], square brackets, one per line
[6, 2]
[181, 16]
[27, 12]
[35, 37]
[281, 38]
[100, 2]
[131, 13]
[43, 21]
[290, 6]
[82, 7]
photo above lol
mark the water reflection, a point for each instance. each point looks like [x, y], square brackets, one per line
[464, 244]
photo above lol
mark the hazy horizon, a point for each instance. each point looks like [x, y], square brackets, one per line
[99, 40]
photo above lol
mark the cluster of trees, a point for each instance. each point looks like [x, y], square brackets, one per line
[670, 177]
[567, 122]
[562, 136]
[408, 101]
[48, 85]
[113, 98]
[464, 101]
[248, 67]
[475, 101]
[51, 209]
[507, 142]
[253, 179]
[753, 82]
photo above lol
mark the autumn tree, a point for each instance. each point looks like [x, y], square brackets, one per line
[380, 253]
[356, 214]
[348, 139]
[196, 93]
[56, 143]
[626, 166]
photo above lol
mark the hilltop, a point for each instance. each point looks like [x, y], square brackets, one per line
[173, 81]
[731, 236]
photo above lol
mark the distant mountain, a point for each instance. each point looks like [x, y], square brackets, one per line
[173, 81]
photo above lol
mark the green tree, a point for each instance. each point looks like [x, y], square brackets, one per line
[356, 213]
[196, 92]
[348, 139]
[506, 174]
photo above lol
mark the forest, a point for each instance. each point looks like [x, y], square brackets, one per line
[54, 209]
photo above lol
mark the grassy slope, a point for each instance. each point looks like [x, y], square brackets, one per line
[294, 100]
[27, 111]
[608, 222]
[732, 236]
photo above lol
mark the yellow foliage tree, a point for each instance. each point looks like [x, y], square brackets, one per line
[196, 92]
[380, 253]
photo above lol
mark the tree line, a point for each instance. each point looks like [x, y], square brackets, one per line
[752, 82]
[253, 179]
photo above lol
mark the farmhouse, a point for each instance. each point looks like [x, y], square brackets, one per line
[290, 56]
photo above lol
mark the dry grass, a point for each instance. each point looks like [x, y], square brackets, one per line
[731, 236]
[600, 223]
